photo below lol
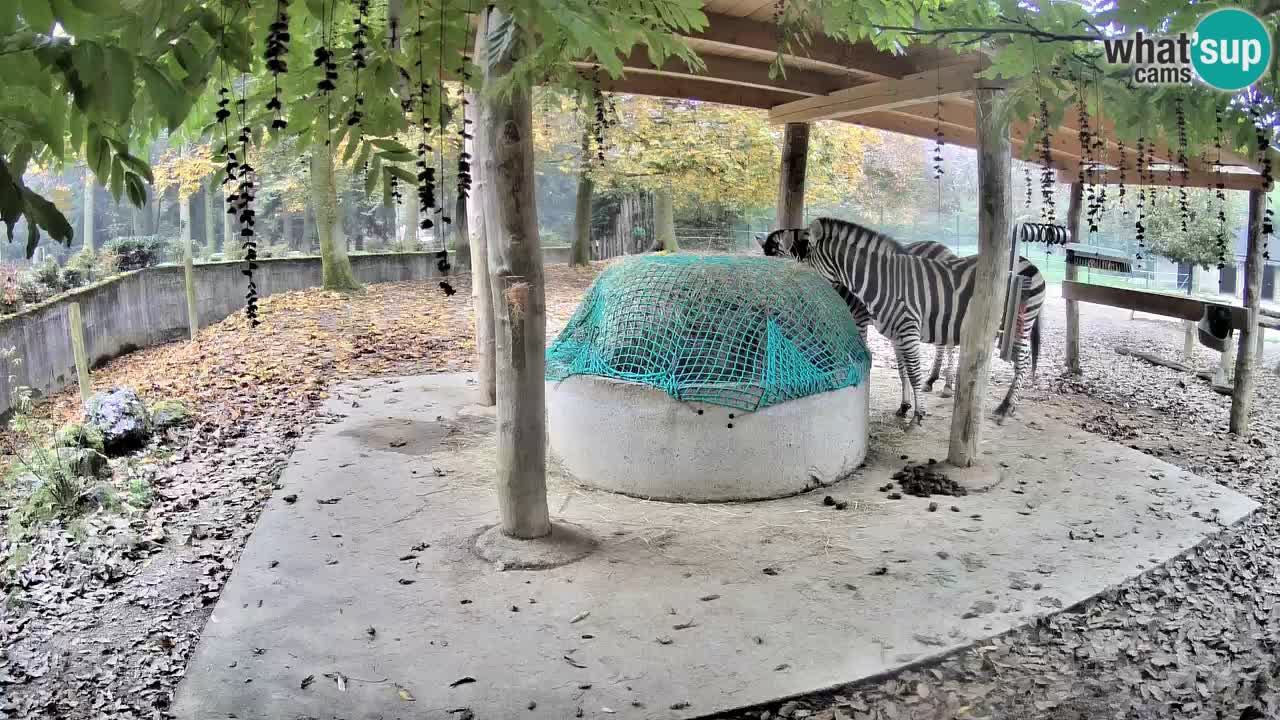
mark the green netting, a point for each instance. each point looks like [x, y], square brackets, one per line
[740, 332]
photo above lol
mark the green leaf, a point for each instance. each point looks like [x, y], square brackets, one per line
[390, 145]
[166, 96]
[136, 191]
[47, 215]
[38, 14]
[401, 173]
[120, 75]
[375, 172]
[11, 204]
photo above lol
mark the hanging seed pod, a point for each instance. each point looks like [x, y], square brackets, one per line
[275, 54]
[1263, 142]
[464, 157]
[1181, 119]
[1139, 225]
[1086, 159]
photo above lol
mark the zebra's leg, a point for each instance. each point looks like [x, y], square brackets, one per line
[1021, 360]
[949, 373]
[908, 344]
[933, 373]
[906, 382]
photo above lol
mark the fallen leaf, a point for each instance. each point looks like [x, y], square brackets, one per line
[580, 616]
[404, 694]
[462, 681]
[306, 681]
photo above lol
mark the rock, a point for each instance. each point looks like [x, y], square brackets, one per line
[169, 413]
[788, 709]
[122, 418]
[83, 462]
[76, 435]
[99, 497]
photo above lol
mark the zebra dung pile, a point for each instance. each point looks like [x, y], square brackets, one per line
[924, 480]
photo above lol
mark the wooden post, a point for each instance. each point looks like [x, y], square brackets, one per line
[665, 232]
[78, 350]
[795, 156]
[210, 211]
[188, 270]
[580, 250]
[992, 278]
[515, 260]
[1073, 272]
[1246, 367]
[481, 292]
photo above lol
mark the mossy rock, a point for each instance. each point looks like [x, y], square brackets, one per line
[169, 413]
[76, 435]
[122, 418]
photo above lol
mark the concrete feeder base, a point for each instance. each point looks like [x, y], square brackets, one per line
[636, 440]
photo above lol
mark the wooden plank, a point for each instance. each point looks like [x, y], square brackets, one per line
[1230, 181]
[883, 95]
[732, 34]
[740, 71]
[696, 88]
[1153, 359]
[983, 314]
[1246, 378]
[1175, 306]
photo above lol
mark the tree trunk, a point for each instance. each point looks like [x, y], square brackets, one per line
[335, 266]
[461, 234]
[286, 226]
[665, 232]
[795, 156]
[210, 212]
[481, 292]
[1246, 367]
[1073, 272]
[515, 259]
[188, 270]
[409, 224]
[985, 307]
[89, 187]
[580, 253]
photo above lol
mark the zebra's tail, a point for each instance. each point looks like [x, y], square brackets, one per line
[1035, 343]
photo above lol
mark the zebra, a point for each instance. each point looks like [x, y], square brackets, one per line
[913, 299]
[928, 249]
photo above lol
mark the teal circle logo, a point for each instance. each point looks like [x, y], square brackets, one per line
[1231, 49]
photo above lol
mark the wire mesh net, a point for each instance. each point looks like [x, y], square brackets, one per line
[739, 332]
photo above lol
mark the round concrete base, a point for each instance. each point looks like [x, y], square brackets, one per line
[566, 543]
[637, 440]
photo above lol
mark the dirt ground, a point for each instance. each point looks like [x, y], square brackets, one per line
[99, 623]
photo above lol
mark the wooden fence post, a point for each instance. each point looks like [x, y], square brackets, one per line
[991, 282]
[1246, 380]
[1073, 272]
[76, 322]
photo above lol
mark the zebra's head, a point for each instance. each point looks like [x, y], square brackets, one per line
[787, 241]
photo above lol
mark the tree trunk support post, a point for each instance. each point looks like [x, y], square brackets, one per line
[795, 158]
[515, 261]
[991, 282]
[1246, 357]
[481, 292]
[1073, 272]
[76, 321]
[188, 267]
[665, 221]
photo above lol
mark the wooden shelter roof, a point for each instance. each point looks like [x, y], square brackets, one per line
[858, 83]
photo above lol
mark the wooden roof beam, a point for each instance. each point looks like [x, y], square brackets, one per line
[731, 34]
[880, 96]
[737, 71]
[1161, 178]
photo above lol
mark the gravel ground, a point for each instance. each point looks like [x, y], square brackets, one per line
[1195, 638]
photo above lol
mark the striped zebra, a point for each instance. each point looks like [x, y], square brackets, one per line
[928, 249]
[912, 300]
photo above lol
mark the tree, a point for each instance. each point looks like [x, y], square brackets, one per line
[1199, 243]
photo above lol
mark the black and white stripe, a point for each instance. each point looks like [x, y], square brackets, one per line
[912, 300]
[927, 249]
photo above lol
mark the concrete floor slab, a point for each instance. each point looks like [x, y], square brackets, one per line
[362, 597]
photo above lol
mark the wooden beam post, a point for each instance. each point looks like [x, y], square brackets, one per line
[1073, 308]
[515, 260]
[994, 242]
[795, 157]
[481, 292]
[883, 95]
[1246, 365]
[76, 321]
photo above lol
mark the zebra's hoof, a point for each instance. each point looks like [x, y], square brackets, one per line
[918, 419]
[902, 409]
[928, 387]
[946, 392]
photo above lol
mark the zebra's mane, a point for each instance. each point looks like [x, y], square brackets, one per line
[861, 234]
